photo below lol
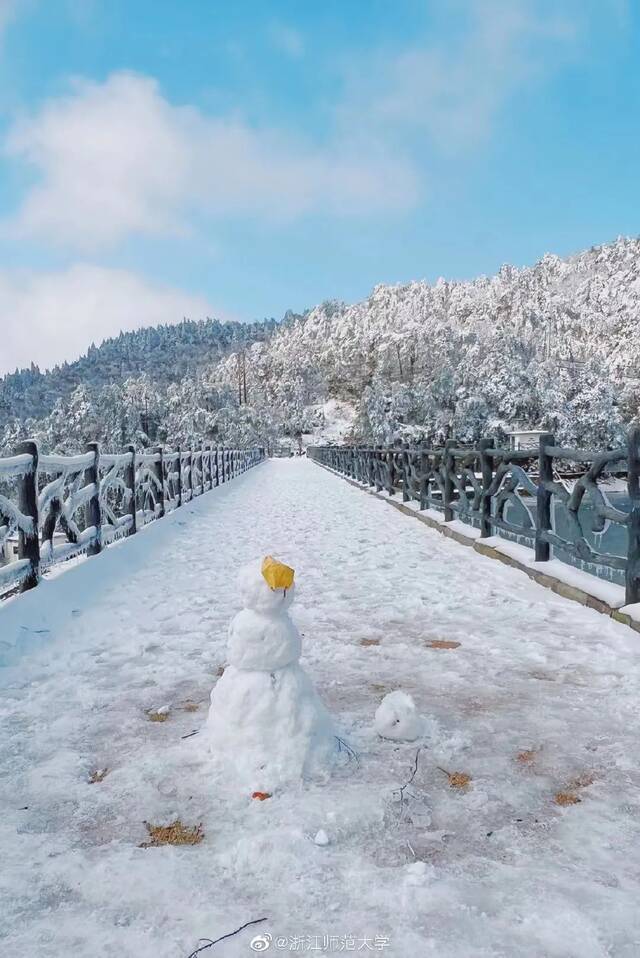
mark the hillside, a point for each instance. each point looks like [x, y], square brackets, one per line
[165, 353]
[555, 344]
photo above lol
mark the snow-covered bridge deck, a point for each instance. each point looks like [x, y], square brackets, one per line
[508, 872]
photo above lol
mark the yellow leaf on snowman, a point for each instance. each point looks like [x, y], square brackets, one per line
[277, 574]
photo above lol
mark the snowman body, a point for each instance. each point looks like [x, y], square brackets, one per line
[267, 726]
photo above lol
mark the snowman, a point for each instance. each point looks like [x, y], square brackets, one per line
[266, 726]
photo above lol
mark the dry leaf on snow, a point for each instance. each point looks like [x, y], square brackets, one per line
[174, 834]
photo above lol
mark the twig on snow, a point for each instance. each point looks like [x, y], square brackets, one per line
[344, 747]
[210, 944]
[411, 777]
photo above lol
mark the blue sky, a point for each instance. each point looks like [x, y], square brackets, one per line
[161, 159]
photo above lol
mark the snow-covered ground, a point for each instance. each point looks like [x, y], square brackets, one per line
[539, 698]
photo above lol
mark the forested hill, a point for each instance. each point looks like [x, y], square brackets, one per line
[166, 354]
[555, 345]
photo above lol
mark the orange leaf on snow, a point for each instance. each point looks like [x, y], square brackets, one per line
[459, 779]
[566, 798]
[456, 779]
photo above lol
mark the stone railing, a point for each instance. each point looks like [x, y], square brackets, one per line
[582, 506]
[55, 507]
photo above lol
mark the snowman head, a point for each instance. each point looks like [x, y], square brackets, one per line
[266, 586]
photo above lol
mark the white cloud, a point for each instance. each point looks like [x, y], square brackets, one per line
[287, 39]
[49, 317]
[452, 89]
[8, 12]
[117, 158]
[7, 9]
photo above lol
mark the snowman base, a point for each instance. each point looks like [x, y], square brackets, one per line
[267, 730]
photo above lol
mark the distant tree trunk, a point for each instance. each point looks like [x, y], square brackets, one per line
[241, 370]
[244, 377]
[413, 355]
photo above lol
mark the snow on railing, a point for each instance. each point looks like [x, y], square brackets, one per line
[16, 518]
[53, 507]
[15, 466]
[517, 494]
[62, 502]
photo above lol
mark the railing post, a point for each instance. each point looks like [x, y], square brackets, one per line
[130, 483]
[28, 539]
[486, 469]
[217, 467]
[94, 512]
[189, 464]
[158, 469]
[210, 451]
[391, 472]
[201, 468]
[377, 458]
[406, 470]
[449, 463]
[632, 590]
[544, 497]
[179, 479]
[424, 485]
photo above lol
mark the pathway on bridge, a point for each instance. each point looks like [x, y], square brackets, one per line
[540, 697]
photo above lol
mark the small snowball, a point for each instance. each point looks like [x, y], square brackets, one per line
[417, 872]
[396, 718]
[321, 838]
[167, 788]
